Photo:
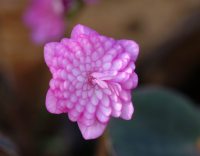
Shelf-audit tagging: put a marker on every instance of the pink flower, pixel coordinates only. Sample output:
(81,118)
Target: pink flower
(92,79)
(45,18)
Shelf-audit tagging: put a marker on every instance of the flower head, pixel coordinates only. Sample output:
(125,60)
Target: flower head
(92,79)
(45,18)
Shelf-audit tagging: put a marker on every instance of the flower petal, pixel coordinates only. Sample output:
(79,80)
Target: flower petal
(132,82)
(49,52)
(131,47)
(51,103)
(81,29)
(127,111)
(93,131)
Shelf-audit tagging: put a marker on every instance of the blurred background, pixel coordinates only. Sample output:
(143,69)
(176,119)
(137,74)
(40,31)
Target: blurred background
(167,118)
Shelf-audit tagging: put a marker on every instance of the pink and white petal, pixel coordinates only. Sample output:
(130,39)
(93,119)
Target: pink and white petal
(81,30)
(125,58)
(52,103)
(125,95)
(127,111)
(106,110)
(131,47)
(93,131)
(49,52)
(87,122)
(102,117)
(105,101)
(116,114)
(116,109)
(73,115)
(129,69)
(131,83)
(121,77)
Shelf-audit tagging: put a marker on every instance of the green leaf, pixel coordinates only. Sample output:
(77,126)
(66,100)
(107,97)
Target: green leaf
(165,123)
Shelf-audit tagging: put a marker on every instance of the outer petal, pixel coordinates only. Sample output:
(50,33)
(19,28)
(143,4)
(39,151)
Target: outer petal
(81,30)
(131,83)
(52,103)
(93,131)
(131,47)
(125,95)
(49,52)
(127,111)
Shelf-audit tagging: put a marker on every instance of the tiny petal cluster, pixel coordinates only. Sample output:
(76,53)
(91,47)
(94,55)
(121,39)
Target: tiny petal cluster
(92,78)
(45,18)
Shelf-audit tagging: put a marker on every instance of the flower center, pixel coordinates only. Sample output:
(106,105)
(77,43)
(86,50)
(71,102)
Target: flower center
(105,80)
(90,79)
(94,79)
